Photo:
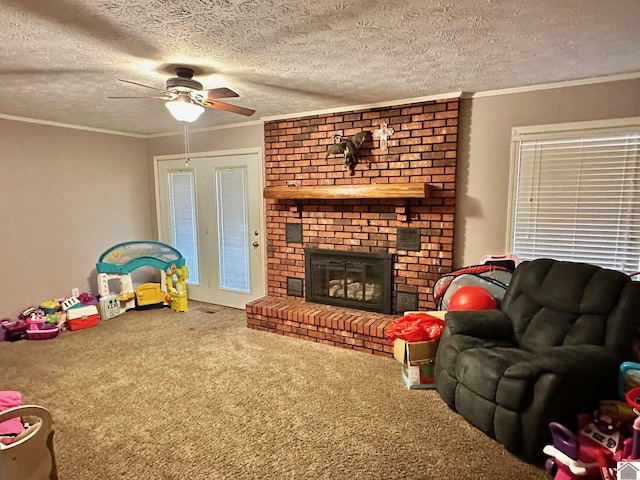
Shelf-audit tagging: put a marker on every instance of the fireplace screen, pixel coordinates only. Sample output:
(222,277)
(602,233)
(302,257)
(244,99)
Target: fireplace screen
(360,280)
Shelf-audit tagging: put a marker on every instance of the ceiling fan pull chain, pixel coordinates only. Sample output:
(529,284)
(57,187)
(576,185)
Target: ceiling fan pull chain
(186,143)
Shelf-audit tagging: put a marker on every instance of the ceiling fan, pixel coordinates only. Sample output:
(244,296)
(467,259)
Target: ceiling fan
(186,99)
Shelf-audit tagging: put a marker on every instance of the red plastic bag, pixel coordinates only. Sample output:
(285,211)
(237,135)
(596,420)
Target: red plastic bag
(415,327)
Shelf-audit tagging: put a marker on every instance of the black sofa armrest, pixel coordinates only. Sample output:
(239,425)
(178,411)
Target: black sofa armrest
(588,361)
(580,374)
(485,324)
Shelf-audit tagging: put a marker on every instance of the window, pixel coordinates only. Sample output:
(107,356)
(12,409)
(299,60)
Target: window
(182,217)
(576,192)
(233,228)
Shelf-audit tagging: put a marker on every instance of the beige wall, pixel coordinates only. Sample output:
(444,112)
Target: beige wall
(484,152)
(65,197)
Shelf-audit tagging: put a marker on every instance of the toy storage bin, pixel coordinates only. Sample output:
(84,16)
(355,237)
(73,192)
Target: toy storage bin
(44,331)
(83,317)
(4,324)
(14,330)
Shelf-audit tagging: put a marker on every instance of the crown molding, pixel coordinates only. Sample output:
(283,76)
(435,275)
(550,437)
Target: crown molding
(390,103)
(67,125)
(549,86)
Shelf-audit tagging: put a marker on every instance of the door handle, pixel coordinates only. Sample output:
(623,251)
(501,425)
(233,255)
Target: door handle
(255,244)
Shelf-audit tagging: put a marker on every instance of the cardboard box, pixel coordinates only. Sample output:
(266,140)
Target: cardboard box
(419,376)
(434,313)
(414,353)
(418,359)
(418,362)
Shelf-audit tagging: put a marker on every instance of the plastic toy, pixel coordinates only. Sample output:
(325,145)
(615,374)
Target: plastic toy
(14,330)
(150,294)
(120,260)
(472,297)
(611,435)
(177,294)
(36,318)
(602,440)
(83,317)
(44,331)
(86,299)
(50,306)
(493,278)
(508,260)
(27,312)
(629,377)
(633,398)
(69,303)
(109,307)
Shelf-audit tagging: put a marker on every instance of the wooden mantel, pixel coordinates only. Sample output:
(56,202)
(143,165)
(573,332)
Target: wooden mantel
(329,192)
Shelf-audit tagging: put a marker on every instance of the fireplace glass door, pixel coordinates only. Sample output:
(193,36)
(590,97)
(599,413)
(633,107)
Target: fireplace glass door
(349,279)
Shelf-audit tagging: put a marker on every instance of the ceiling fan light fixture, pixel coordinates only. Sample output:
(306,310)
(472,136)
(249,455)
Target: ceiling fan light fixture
(183,109)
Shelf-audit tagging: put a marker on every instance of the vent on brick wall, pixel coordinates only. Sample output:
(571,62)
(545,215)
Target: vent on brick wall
(406,302)
(295,287)
(293,232)
(408,239)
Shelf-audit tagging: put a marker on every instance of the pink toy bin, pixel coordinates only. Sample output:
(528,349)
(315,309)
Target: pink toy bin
(42,331)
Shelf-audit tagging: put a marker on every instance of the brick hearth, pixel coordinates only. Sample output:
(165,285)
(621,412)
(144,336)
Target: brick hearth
(340,327)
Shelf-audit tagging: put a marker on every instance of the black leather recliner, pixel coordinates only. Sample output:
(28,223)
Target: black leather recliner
(551,351)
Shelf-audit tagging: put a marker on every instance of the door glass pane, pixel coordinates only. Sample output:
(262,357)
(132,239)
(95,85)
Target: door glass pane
(182,216)
(233,229)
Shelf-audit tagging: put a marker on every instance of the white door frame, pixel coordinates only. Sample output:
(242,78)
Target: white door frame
(162,235)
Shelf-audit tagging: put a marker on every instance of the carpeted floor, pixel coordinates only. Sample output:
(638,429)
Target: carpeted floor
(163,395)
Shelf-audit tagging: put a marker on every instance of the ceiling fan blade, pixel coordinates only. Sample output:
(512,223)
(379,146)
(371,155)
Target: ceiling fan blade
(228,107)
(222,92)
(162,98)
(141,85)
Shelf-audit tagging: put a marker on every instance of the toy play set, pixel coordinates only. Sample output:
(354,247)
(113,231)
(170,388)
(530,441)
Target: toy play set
(75,313)
(119,261)
(606,443)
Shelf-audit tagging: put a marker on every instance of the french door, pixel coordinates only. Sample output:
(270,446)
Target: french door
(211,211)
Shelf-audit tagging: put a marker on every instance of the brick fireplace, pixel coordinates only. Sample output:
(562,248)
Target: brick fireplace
(422,152)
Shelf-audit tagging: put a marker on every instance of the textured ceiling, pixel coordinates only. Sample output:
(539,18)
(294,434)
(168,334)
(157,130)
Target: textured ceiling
(61,58)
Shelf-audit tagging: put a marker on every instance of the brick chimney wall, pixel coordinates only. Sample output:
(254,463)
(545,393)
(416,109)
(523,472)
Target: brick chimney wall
(423,149)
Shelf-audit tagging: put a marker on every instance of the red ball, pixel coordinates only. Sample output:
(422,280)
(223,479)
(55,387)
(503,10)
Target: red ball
(472,297)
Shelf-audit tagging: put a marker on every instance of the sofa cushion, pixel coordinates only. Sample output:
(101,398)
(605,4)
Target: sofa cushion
(555,303)
(482,369)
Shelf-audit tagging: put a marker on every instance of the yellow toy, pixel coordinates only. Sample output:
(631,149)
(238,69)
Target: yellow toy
(177,296)
(150,294)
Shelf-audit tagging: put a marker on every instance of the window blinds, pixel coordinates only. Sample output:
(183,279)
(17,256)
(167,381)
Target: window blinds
(578,198)
(182,216)
(233,229)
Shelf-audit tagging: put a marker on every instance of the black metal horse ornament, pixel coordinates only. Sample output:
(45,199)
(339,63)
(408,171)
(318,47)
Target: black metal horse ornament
(348,147)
